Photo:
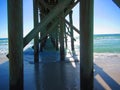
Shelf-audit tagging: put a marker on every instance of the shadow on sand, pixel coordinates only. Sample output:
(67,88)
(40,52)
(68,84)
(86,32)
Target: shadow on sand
(53,75)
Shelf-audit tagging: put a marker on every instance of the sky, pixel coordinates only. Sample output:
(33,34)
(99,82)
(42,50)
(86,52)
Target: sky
(106,17)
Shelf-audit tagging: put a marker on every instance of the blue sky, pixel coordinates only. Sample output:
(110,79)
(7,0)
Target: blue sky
(106,17)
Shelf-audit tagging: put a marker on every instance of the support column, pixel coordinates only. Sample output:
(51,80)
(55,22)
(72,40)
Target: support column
(15,37)
(86,44)
(57,47)
(71,31)
(66,40)
(36,39)
(61,37)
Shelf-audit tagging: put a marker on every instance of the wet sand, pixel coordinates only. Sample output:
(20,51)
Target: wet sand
(3,58)
(64,75)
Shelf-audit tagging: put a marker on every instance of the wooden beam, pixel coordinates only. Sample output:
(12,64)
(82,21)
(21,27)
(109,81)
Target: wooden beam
(117,2)
(66,39)
(36,39)
(70,7)
(70,36)
(86,44)
(42,2)
(73,27)
(50,30)
(57,38)
(71,31)
(15,37)
(61,38)
(47,19)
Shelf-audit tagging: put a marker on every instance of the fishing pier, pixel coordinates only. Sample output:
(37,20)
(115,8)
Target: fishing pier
(50,23)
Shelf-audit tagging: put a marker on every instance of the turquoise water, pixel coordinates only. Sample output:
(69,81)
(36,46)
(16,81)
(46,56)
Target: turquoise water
(107,43)
(3,45)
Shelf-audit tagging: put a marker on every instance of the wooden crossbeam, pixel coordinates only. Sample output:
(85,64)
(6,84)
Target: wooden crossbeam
(74,28)
(44,4)
(117,2)
(39,27)
(47,19)
(50,30)
(70,7)
(65,13)
(70,36)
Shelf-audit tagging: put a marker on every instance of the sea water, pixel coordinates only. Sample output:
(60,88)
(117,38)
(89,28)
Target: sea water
(3,45)
(107,43)
(103,43)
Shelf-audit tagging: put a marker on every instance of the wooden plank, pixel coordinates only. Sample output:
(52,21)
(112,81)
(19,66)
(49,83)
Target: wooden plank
(47,19)
(117,2)
(70,36)
(66,39)
(57,38)
(61,38)
(36,39)
(70,7)
(50,30)
(73,27)
(71,31)
(86,44)
(15,37)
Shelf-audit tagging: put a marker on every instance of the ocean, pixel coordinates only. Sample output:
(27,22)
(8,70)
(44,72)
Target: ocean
(103,43)
(107,43)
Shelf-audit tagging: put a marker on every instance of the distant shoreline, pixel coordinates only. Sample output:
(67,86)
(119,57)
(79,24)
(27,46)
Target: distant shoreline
(93,35)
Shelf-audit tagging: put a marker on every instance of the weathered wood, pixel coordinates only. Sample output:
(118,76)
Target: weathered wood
(36,39)
(47,19)
(117,2)
(70,7)
(73,27)
(44,4)
(86,44)
(15,37)
(57,38)
(66,39)
(61,38)
(70,36)
(50,30)
(71,31)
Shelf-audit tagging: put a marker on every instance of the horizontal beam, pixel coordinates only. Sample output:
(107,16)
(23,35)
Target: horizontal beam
(68,8)
(74,28)
(70,36)
(71,6)
(47,19)
(50,30)
(117,2)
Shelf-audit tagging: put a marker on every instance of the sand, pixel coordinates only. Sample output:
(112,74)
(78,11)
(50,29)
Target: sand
(3,58)
(106,72)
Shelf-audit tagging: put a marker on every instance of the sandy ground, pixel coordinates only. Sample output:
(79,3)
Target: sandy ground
(106,70)
(3,58)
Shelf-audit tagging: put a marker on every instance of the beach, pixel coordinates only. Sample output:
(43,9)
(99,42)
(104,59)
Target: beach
(106,73)
(51,74)
(3,58)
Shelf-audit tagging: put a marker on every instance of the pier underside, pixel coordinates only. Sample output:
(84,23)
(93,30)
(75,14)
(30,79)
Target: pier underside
(51,69)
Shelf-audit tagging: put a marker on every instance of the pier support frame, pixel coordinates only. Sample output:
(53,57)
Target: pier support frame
(36,39)
(71,31)
(57,34)
(86,44)
(15,35)
(66,44)
(61,38)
